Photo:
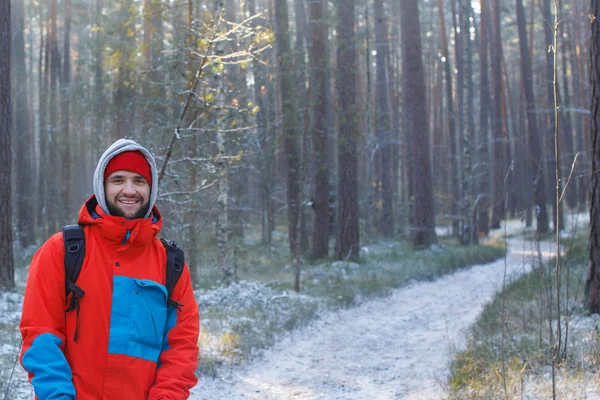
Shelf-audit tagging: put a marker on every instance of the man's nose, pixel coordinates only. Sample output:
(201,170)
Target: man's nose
(128,188)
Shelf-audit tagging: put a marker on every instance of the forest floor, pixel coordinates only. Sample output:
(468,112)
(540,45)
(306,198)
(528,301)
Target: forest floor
(398,347)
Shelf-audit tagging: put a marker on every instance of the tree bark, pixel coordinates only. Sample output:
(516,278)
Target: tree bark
(65,143)
(499,141)
(539,187)
(7,274)
(592,287)
(416,126)
(347,244)
(453,182)
(383,124)
(319,62)
(485,103)
(289,126)
(23,135)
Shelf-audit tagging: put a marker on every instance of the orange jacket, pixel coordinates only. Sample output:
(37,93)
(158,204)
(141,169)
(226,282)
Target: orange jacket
(130,345)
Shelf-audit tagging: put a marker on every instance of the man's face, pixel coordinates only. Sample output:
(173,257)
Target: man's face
(127,194)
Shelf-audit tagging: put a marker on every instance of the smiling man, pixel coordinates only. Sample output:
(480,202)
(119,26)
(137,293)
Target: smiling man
(123,330)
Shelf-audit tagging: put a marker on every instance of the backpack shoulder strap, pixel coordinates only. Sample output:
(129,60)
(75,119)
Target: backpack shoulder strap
(175,262)
(74,240)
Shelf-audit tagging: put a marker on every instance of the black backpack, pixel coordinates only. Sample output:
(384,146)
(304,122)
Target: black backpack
(74,241)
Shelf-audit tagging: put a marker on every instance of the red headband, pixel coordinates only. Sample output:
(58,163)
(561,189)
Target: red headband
(133,161)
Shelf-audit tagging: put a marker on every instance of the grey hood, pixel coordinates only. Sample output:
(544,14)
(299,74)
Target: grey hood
(118,147)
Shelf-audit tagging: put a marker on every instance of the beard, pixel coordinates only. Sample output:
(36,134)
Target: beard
(115,211)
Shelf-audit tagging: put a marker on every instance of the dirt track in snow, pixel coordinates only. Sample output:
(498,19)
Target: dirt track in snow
(399,347)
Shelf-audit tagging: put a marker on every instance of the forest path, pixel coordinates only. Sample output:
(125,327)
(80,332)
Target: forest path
(398,347)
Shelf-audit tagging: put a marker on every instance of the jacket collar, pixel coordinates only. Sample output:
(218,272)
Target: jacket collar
(119,231)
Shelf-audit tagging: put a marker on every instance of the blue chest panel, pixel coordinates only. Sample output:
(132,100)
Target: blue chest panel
(138,318)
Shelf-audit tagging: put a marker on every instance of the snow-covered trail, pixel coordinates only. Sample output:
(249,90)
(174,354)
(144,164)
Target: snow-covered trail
(398,347)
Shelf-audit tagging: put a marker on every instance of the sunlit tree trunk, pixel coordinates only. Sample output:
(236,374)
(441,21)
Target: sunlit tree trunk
(347,244)
(416,126)
(7,275)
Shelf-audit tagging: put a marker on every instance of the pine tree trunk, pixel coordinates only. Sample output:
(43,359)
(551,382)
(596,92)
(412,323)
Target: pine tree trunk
(222,169)
(347,244)
(53,171)
(7,275)
(535,150)
(485,103)
(498,138)
(454,185)
(592,287)
(550,123)
(24,143)
(319,62)
(289,126)
(416,126)
(66,192)
(383,123)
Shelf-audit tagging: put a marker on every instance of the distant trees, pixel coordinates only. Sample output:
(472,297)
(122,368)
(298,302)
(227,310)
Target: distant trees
(7,278)
(320,121)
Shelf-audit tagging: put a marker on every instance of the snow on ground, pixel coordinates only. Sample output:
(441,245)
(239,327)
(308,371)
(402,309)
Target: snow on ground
(398,347)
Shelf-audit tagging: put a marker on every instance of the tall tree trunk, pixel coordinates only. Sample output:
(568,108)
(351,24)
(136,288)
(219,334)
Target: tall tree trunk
(383,123)
(7,274)
(460,115)
(347,244)
(43,71)
(453,173)
(224,254)
(23,134)
(499,141)
(52,171)
(99,102)
(551,124)
(568,138)
(289,126)
(66,192)
(319,62)
(469,234)
(539,187)
(303,122)
(262,92)
(592,287)
(416,126)
(485,101)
